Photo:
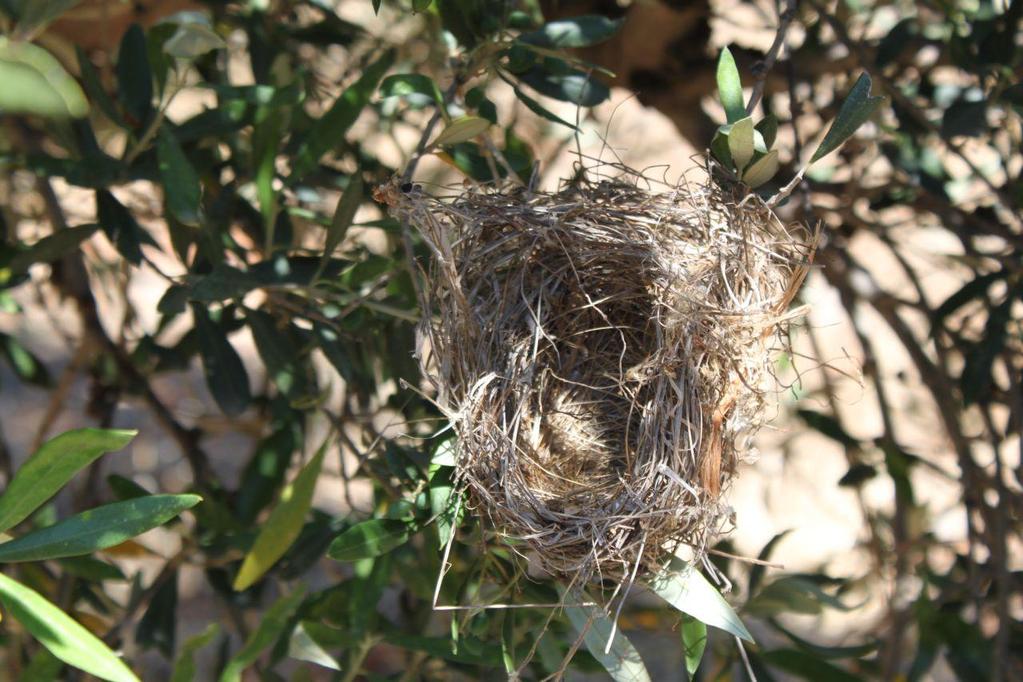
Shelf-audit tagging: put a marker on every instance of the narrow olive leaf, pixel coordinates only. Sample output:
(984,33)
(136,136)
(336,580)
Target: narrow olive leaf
(283,525)
(51,248)
(184,667)
(180,181)
(134,75)
(741,145)
(35,15)
(540,110)
(270,628)
(719,147)
(403,84)
(225,374)
(277,348)
(330,128)
(191,40)
(621,661)
(27,366)
(302,647)
(34,82)
(93,84)
(62,636)
(761,170)
(344,214)
(369,539)
(52,466)
(96,529)
(856,109)
(768,129)
(807,666)
(581,31)
(461,129)
(685,588)
(730,87)
(694,642)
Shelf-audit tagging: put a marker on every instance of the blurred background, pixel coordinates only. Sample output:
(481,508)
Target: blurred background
(220,152)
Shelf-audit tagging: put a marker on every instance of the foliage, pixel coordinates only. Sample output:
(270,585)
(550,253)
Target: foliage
(266,230)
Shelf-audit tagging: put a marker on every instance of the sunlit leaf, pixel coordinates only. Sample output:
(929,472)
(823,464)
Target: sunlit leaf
(856,109)
(685,588)
(55,630)
(580,31)
(761,170)
(461,129)
(283,525)
(303,647)
(34,82)
(52,466)
(622,661)
(369,539)
(694,642)
(730,87)
(740,142)
(96,529)
(192,40)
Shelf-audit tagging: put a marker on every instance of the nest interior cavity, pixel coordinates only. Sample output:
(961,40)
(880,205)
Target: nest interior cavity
(603,353)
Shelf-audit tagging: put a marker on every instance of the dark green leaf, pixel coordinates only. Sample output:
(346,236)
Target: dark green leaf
(768,129)
(96,529)
(807,666)
(579,31)
(330,128)
(184,666)
(91,569)
(134,76)
(98,94)
(279,351)
(51,247)
(121,227)
(444,648)
(403,84)
(26,365)
(477,99)
(856,109)
(180,181)
(855,651)
(792,594)
(125,488)
(369,539)
(344,214)
(225,374)
(965,118)
(828,426)
(730,87)
(540,110)
(757,571)
(34,82)
(51,467)
(857,475)
(558,81)
(159,623)
(265,471)
(65,639)
(271,625)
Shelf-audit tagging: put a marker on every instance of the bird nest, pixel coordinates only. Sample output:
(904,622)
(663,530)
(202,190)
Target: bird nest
(604,355)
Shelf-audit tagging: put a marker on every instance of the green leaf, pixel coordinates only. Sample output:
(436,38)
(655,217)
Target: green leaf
(581,31)
(761,170)
(421,5)
(27,366)
(740,142)
(225,373)
(279,351)
(461,129)
(730,87)
(756,573)
(35,15)
(854,651)
(184,666)
(330,128)
(965,117)
(828,426)
(539,109)
(51,247)
(302,647)
(52,466)
(792,594)
(403,84)
(694,641)
(264,473)
(559,80)
(856,109)
(622,661)
(134,76)
(34,82)
(158,626)
(181,185)
(192,40)
(443,504)
(55,630)
(719,148)
(768,129)
(369,539)
(283,525)
(271,625)
(121,227)
(344,214)
(807,666)
(685,588)
(96,529)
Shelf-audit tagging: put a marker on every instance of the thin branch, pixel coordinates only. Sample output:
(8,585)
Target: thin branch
(764,66)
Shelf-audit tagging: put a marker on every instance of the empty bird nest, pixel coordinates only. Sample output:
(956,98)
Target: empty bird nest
(604,355)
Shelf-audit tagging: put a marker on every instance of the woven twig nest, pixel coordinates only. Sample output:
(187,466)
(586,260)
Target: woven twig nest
(603,354)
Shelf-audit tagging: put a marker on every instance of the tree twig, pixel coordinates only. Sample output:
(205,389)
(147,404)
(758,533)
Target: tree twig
(764,66)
